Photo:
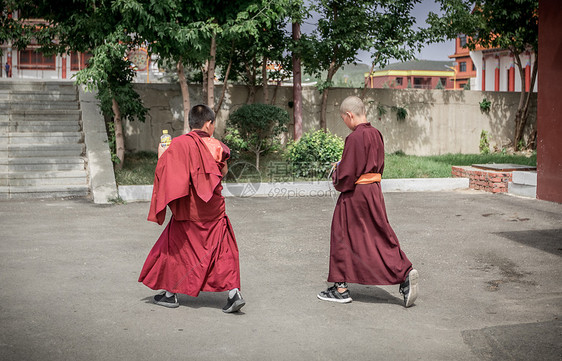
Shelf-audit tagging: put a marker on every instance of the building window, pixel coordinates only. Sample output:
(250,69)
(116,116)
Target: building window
(462,41)
(32,59)
(473,67)
(443,81)
(462,66)
(79,61)
(399,81)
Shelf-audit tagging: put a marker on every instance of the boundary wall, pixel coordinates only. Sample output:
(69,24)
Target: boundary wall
(438,121)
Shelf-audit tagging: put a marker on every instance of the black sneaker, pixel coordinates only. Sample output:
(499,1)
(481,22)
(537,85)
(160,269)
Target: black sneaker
(162,300)
(409,288)
(332,295)
(234,304)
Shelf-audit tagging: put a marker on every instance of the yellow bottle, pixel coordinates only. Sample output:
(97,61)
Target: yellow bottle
(165,139)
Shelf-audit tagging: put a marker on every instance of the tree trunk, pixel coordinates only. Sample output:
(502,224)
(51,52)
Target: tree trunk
(297,86)
(522,114)
(251,73)
(224,86)
(119,140)
(211,74)
(331,71)
(264,80)
(185,96)
(204,71)
(370,72)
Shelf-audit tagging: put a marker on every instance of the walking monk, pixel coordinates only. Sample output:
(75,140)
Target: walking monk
(363,247)
(197,251)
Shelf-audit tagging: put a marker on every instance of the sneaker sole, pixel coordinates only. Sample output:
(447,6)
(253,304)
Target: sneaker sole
(167,304)
(413,294)
(338,300)
(236,306)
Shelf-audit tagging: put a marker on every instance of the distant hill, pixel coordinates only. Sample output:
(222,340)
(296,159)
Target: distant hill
(350,75)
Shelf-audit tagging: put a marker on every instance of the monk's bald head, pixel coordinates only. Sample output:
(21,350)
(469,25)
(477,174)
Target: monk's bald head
(354,105)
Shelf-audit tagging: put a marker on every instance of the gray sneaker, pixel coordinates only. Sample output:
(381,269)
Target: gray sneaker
(162,300)
(332,295)
(409,288)
(234,304)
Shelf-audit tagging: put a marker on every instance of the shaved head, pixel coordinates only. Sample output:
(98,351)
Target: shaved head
(354,105)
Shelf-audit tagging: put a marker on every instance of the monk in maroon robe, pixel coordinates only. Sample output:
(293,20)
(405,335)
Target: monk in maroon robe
(197,251)
(363,247)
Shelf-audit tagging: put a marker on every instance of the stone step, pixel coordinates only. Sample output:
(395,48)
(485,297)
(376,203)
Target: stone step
(38,126)
(38,86)
(43,178)
(523,183)
(6,106)
(44,138)
(42,164)
(42,150)
(52,191)
(33,96)
(43,115)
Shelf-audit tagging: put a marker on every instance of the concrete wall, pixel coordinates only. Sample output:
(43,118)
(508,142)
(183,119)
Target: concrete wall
(438,121)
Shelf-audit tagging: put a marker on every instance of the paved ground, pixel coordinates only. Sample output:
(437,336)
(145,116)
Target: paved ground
(489,265)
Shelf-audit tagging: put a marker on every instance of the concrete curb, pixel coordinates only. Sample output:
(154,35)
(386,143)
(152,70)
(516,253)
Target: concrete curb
(100,167)
(143,193)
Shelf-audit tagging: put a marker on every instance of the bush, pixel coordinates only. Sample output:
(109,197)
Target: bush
(313,154)
(258,126)
(234,141)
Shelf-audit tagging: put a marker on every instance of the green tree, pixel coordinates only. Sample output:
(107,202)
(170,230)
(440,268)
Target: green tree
(259,125)
(504,24)
(382,27)
(100,28)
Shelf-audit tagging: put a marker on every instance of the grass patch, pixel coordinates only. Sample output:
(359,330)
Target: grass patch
(139,167)
(439,166)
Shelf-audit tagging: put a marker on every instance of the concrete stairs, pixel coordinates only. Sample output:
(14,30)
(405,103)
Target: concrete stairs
(524,183)
(41,141)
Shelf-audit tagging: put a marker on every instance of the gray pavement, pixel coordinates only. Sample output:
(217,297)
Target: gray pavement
(490,284)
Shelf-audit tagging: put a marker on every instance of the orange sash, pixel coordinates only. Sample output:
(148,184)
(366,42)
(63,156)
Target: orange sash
(369,178)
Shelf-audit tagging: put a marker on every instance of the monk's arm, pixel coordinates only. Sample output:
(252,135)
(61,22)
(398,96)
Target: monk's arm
(224,169)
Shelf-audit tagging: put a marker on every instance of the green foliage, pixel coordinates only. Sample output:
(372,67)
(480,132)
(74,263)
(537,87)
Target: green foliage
(110,74)
(401,112)
(504,24)
(484,146)
(259,126)
(234,141)
(381,110)
(314,152)
(485,105)
(439,85)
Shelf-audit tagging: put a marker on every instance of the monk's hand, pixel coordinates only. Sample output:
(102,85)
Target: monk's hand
(161,149)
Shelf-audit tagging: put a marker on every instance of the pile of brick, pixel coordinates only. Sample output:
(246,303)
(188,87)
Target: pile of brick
(480,179)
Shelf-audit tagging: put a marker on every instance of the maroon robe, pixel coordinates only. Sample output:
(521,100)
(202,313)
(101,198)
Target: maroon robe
(363,247)
(197,251)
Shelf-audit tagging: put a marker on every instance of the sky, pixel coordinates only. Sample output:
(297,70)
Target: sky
(437,51)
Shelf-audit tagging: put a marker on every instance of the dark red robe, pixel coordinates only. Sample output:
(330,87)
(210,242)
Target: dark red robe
(363,247)
(197,251)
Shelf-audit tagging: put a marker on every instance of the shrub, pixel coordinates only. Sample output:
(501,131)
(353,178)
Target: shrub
(258,126)
(234,141)
(484,143)
(312,155)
